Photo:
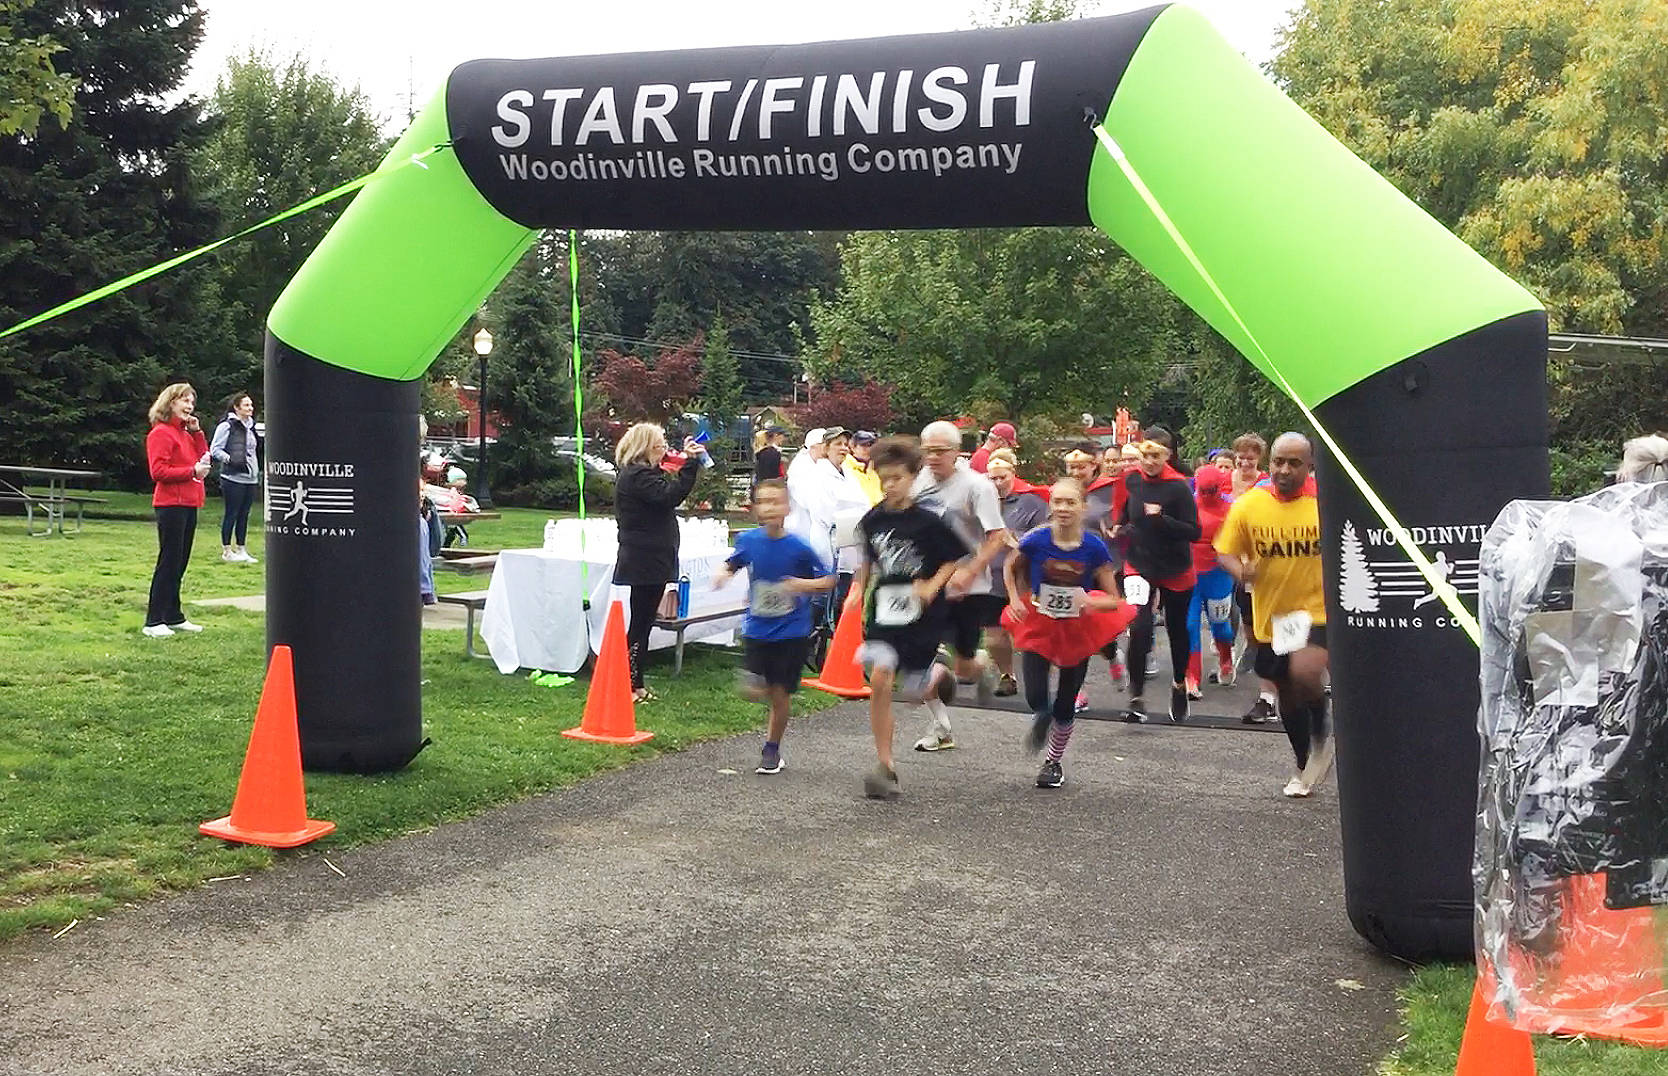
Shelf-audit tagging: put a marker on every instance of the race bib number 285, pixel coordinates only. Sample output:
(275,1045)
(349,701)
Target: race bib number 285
(1061,603)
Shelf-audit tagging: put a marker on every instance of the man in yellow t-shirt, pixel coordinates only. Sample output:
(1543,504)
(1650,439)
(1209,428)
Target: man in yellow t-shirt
(1272,538)
(858,467)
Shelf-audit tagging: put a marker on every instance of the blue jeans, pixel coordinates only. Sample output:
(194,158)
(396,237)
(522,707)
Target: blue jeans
(240,497)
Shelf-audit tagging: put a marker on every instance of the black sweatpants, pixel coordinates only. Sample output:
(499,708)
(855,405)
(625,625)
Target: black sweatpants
(240,497)
(1175,629)
(1035,668)
(175,528)
(645,606)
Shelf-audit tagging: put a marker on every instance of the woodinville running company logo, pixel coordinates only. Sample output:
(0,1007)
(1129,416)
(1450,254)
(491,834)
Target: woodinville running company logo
(573,134)
(309,499)
(1378,587)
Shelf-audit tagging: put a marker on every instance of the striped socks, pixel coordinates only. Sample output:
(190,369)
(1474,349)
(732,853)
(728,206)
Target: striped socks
(1058,737)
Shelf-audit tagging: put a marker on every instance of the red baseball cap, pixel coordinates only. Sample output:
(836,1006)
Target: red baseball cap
(1006,431)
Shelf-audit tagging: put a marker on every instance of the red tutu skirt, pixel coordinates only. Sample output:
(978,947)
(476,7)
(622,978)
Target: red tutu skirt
(1067,641)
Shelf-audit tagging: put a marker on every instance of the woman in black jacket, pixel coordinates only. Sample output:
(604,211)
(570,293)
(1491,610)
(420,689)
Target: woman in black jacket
(646,499)
(1161,521)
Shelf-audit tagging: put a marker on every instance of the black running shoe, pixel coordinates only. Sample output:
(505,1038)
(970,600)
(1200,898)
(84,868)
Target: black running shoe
(1037,736)
(1178,705)
(1051,775)
(1137,712)
(1261,713)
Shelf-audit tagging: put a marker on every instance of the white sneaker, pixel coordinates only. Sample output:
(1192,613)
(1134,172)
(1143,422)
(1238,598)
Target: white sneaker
(1320,762)
(156,631)
(230,556)
(934,741)
(1295,788)
(243,555)
(185,625)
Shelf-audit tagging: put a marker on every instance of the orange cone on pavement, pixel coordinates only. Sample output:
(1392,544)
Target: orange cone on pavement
(1490,1048)
(610,715)
(271,804)
(841,674)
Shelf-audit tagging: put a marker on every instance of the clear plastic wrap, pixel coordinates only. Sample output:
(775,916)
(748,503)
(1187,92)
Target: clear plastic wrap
(1571,865)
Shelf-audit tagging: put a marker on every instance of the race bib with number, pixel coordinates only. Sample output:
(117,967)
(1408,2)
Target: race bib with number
(897,605)
(1136,590)
(772,600)
(1061,603)
(1291,631)
(1219,610)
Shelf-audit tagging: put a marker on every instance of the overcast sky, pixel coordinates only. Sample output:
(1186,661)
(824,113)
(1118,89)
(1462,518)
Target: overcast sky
(394,47)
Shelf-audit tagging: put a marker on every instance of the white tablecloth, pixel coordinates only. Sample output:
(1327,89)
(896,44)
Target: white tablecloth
(534,616)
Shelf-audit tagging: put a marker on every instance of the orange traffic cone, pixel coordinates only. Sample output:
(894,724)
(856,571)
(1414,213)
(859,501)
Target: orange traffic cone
(1609,968)
(1490,1048)
(841,674)
(270,807)
(610,715)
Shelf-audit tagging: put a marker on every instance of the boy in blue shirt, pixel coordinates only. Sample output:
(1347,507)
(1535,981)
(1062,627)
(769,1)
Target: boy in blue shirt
(783,571)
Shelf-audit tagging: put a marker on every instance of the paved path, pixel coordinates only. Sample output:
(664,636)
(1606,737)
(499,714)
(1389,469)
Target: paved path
(1165,913)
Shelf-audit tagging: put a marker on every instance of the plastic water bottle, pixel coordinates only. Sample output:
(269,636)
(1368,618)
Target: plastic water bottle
(549,534)
(683,596)
(706,457)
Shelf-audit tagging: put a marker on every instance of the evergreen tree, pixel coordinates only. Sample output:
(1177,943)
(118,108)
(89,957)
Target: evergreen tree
(1357,590)
(721,395)
(530,386)
(108,194)
(282,132)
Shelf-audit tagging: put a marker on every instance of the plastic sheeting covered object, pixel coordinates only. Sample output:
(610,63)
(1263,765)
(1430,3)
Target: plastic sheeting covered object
(1571,866)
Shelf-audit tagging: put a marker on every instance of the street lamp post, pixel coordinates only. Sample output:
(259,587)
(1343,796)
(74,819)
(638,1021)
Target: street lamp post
(483,348)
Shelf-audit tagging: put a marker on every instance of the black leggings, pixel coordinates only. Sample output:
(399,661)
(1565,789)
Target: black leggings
(240,497)
(1175,628)
(645,606)
(1306,724)
(175,528)
(1035,669)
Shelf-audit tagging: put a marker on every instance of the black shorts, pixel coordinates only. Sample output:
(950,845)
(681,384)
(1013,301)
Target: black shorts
(779,663)
(969,617)
(1277,667)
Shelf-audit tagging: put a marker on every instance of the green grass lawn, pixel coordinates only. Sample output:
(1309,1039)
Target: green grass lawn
(1436,1000)
(113,746)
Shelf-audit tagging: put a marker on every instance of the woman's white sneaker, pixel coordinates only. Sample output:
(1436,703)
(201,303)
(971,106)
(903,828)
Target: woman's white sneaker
(156,631)
(1296,789)
(185,625)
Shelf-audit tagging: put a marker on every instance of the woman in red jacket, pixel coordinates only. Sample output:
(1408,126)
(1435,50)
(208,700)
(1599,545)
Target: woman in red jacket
(178,454)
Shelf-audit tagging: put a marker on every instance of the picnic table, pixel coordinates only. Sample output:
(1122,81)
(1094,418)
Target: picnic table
(55,503)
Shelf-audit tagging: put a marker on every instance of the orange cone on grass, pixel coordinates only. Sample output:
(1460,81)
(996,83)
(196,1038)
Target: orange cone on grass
(841,674)
(1490,1048)
(1609,961)
(271,804)
(610,715)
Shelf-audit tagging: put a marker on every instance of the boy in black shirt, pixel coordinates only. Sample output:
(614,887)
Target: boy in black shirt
(908,556)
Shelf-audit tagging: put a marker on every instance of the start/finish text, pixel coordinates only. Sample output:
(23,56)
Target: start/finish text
(942,100)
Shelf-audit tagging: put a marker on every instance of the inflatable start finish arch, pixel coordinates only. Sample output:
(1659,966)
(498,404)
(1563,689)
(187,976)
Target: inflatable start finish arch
(1425,362)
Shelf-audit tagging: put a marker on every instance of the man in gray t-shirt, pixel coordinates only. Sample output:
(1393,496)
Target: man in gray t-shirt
(966,500)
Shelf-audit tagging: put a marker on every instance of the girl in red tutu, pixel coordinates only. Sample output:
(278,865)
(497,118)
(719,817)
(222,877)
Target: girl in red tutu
(1057,621)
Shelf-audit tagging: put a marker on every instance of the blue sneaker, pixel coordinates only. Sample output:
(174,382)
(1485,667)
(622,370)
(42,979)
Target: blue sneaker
(769,761)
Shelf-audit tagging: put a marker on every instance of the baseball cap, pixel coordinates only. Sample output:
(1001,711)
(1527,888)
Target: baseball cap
(815,437)
(1006,431)
(832,432)
(865,437)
